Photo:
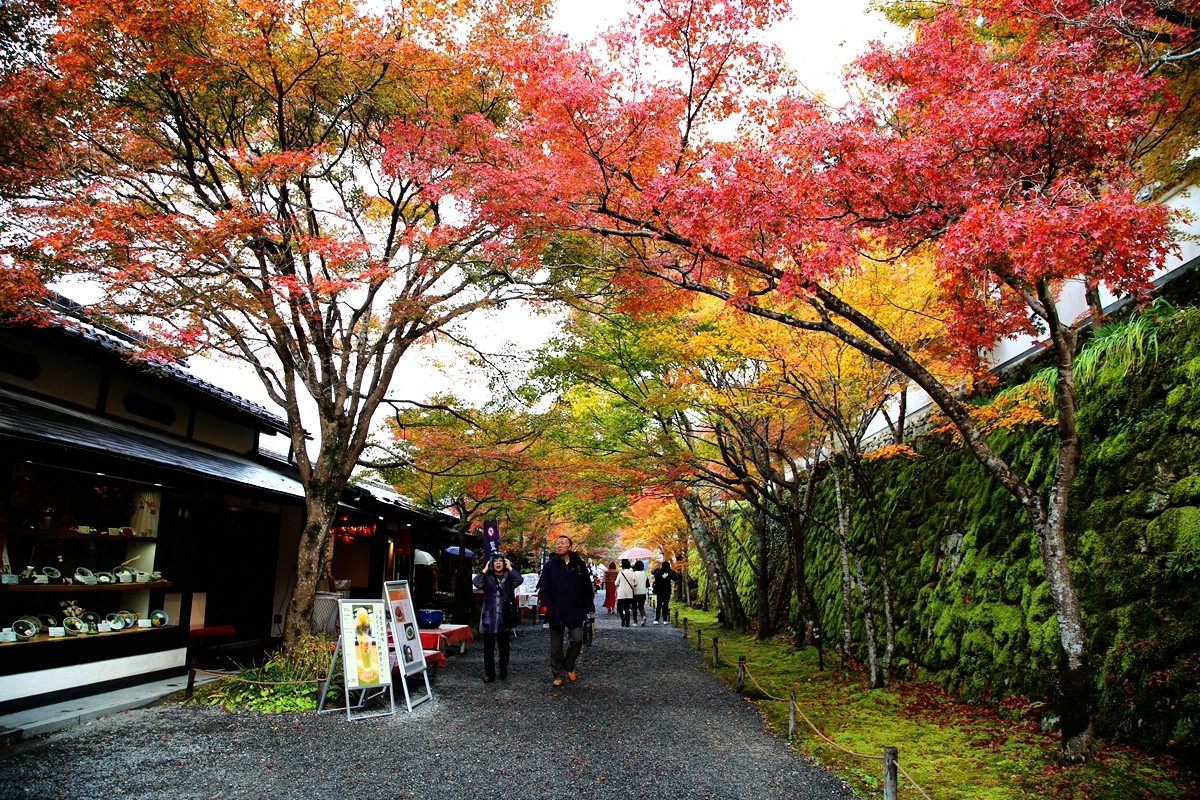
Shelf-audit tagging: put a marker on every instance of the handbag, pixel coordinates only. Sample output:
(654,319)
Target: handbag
(510,612)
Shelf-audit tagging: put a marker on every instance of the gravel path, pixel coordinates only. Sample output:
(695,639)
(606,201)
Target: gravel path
(645,720)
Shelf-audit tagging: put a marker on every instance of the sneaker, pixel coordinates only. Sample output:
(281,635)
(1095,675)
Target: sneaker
(489,679)
(655,622)
(571,674)
(558,681)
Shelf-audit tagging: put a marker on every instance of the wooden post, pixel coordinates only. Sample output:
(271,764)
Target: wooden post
(685,627)
(791,713)
(716,657)
(889,773)
(741,673)
(699,640)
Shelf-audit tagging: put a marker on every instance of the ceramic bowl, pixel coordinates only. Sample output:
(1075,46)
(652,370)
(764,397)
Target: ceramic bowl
(105,577)
(116,621)
(34,621)
(129,617)
(52,573)
(24,629)
(429,617)
(90,617)
(84,575)
(123,574)
(158,619)
(47,621)
(74,625)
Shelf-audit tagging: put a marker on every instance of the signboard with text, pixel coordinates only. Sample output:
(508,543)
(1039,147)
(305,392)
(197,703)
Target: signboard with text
(364,644)
(405,636)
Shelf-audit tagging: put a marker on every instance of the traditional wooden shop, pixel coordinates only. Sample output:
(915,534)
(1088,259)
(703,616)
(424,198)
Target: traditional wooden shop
(138,508)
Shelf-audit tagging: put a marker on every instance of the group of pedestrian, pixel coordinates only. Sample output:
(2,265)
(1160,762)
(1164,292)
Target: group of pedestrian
(627,588)
(567,593)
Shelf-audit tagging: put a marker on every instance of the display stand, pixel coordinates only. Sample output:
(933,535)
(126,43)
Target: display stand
(410,655)
(365,667)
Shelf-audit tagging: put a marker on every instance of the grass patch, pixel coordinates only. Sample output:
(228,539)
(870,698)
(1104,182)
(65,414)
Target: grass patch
(950,748)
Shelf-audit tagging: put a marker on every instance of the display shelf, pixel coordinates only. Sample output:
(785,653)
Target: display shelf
(34,533)
(44,639)
(84,587)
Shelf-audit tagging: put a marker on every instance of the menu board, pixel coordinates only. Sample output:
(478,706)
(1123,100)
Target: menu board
(406,637)
(364,643)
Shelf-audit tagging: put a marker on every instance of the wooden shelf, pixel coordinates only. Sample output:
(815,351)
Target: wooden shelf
(60,534)
(67,588)
(44,639)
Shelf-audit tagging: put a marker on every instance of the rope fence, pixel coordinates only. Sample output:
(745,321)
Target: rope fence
(889,758)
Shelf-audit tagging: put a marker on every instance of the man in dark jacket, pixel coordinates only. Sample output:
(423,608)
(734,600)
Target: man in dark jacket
(566,591)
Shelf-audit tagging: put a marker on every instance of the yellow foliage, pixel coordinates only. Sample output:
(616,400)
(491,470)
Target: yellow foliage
(889,451)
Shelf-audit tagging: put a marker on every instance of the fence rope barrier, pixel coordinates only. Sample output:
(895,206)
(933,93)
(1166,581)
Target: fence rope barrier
(815,730)
(237,677)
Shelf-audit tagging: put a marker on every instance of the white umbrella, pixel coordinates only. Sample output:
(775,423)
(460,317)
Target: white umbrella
(421,558)
(637,552)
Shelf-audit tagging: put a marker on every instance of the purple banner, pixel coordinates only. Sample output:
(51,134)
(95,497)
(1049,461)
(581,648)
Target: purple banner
(491,536)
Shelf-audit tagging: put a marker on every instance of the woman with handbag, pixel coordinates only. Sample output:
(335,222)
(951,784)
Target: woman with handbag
(498,581)
(625,583)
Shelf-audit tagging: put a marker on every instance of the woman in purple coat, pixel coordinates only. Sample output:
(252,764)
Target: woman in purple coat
(498,580)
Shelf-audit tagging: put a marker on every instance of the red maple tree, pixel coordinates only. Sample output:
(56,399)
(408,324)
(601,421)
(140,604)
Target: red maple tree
(1004,138)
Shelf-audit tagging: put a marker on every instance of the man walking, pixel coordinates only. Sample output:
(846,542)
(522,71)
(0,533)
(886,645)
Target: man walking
(566,591)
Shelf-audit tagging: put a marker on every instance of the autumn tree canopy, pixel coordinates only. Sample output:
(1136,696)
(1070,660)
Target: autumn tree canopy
(1003,137)
(273,181)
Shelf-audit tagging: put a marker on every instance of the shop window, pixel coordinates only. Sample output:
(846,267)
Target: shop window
(22,365)
(144,407)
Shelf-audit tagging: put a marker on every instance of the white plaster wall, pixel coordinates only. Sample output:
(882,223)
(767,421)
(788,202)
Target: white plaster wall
(28,684)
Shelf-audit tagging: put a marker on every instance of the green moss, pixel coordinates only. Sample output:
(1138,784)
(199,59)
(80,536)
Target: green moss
(1185,491)
(1175,529)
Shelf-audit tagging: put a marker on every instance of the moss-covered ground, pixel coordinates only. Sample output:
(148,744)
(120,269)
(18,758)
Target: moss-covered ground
(951,749)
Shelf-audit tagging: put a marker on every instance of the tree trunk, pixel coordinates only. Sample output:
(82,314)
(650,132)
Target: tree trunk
(864,591)
(714,566)
(810,619)
(847,630)
(782,598)
(765,630)
(309,558)
(843,538)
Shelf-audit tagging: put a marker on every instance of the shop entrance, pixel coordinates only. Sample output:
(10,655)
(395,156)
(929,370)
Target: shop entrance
(237,571)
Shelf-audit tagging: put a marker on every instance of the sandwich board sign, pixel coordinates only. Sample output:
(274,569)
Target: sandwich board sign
(406,638)
(362,644)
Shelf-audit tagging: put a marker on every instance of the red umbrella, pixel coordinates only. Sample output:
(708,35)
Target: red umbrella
(636,552)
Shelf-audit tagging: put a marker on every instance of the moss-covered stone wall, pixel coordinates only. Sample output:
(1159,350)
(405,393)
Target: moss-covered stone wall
(971,602)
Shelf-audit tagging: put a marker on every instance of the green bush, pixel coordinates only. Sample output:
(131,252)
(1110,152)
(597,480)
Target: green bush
(285,682)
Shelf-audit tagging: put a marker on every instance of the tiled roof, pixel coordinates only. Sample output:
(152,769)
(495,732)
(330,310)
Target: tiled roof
(125,343)
(37,420)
